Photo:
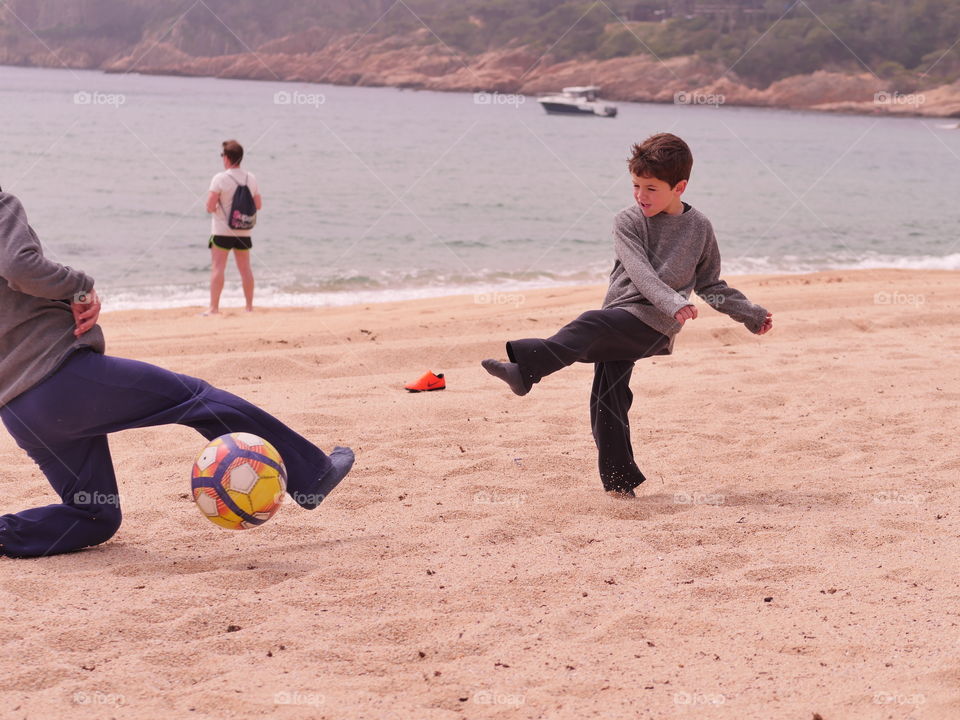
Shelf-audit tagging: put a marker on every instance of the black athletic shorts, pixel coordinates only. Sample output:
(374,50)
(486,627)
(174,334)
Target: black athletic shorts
(228,242)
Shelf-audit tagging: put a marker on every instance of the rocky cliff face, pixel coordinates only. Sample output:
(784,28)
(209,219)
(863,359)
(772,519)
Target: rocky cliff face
(418,60)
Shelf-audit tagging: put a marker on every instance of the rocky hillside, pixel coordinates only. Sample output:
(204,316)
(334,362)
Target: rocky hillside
(322,44)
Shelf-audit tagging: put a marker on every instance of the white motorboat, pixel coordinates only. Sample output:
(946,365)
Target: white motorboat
(577,101)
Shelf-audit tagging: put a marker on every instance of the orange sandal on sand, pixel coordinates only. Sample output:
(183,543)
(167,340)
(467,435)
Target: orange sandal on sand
(428,382)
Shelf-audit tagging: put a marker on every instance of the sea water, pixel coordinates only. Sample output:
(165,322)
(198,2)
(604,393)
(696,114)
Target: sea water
(374,194)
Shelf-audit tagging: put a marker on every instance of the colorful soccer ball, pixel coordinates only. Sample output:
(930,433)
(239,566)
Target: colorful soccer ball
(239,481)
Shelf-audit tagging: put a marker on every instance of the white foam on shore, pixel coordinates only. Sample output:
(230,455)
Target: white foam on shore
(502,292)
(792,265)
(182,296)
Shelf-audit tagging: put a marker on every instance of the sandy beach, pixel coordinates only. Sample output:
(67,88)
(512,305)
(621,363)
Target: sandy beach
(793,552)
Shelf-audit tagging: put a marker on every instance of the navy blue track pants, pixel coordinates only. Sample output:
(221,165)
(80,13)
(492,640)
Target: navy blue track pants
(63,424)
(613,340)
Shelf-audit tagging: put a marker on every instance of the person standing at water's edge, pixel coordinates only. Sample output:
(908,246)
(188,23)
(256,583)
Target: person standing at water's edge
(224,238)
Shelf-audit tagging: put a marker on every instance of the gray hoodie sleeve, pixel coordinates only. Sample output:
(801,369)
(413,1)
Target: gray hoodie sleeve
(631,251)
(22,263)
(720,296)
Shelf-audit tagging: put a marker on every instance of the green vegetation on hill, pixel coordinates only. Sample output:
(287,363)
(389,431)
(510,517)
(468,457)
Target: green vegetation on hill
(908,42)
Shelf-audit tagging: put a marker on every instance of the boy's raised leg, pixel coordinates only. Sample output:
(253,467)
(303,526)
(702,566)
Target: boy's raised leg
(532,359)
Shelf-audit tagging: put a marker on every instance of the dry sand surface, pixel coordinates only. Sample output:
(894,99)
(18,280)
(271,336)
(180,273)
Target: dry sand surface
(794,551)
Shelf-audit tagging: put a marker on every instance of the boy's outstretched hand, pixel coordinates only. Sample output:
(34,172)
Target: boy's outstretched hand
(86,311)
(687,312)
(767,325)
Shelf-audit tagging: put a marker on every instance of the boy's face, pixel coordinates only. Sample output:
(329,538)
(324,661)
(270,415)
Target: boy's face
(656,196)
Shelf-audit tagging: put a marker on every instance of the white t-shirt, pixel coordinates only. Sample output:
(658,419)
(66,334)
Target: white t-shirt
(226,183)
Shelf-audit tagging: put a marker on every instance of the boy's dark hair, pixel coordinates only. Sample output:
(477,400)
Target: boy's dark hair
(663,156)
(233,151)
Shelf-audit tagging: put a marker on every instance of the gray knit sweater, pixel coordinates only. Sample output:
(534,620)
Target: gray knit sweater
(36,323)
(660,260)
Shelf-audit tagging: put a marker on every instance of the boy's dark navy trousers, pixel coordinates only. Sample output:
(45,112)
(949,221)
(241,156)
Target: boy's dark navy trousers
(613,339)
(63,425)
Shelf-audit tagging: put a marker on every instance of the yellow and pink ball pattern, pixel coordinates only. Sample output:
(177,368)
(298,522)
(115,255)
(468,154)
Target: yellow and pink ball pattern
(239,481)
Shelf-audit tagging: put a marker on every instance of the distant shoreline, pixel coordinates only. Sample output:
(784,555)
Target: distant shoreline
(636,79)
(839,108)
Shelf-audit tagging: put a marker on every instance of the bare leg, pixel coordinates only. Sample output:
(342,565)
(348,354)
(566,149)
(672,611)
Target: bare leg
(218,265)
(242,258)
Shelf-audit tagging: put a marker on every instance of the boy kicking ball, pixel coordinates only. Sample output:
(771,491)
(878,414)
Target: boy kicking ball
(664,250)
